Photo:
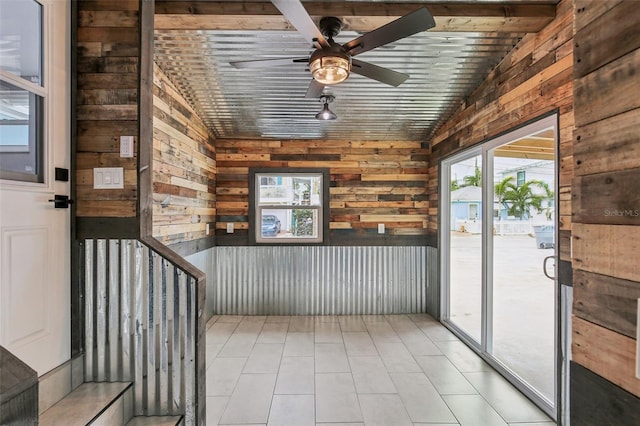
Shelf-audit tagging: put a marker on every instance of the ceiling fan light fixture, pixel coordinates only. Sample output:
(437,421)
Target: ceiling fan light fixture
(326,113)
(329,66)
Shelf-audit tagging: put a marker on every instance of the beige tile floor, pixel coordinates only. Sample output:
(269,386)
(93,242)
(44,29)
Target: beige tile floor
(388,370)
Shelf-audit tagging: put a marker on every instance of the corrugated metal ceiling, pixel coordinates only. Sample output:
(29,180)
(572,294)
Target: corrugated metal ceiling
(250,103)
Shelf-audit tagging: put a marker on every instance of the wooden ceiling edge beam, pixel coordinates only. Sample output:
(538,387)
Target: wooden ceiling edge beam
(358,16)
(526,150)
(527,155)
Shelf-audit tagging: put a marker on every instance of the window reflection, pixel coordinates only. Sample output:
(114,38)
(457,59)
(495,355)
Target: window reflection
(21,39)
(20,134)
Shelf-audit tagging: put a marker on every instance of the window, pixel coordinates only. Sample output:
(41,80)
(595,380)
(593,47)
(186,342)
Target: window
(22,91)
(520,178)
(289,206)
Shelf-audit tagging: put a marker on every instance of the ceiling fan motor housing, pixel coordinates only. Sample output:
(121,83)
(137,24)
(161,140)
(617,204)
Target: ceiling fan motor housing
(332,64)
(330,26)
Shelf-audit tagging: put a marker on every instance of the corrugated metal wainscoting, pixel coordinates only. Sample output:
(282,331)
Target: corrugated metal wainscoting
(141,326)
(320,280)
(433,282)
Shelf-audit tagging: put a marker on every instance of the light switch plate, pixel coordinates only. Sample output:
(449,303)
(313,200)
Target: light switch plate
(230,228)
(126,146)
(381,228)
(108,178)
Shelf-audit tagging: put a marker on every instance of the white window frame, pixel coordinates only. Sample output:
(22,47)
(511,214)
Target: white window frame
(42,90)
(319,208)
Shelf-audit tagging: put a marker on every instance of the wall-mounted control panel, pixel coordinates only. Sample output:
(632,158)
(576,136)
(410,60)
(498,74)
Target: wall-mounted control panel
(108,178)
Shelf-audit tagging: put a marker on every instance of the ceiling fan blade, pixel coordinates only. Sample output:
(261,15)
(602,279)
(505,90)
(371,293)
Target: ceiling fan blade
(412,23)
(261,63)
(297,16)
(383,75)
(315,89)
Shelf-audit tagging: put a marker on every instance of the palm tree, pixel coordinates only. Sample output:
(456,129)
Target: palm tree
(521,199)
(500,190)
(475,179)
(549,196)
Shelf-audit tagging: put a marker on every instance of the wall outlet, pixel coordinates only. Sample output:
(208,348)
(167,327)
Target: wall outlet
(126,146)
(381,228)
(230,228)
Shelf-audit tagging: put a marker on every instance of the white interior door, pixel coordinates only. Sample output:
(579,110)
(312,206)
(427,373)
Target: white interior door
(35,236)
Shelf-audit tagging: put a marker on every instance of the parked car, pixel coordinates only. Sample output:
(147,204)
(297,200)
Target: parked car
(270,225)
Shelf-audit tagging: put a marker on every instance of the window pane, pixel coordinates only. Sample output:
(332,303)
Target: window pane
(21,39)
(294,223)
(292,190)
(20,134)
(271,223)
(465,251)
(305,223)
(523,298)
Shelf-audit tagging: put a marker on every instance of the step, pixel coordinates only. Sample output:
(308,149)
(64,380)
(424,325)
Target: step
(155,421)
(18,390)
(92,403)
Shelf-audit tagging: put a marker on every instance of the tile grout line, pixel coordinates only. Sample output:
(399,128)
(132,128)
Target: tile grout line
(396,324)
(275,383)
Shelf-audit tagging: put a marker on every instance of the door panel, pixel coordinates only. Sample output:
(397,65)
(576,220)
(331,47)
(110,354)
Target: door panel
(24,284)
(523,310)
(34,302)
(465,261)
(35,236)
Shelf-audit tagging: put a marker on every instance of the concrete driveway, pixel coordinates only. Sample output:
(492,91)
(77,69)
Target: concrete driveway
(523,303)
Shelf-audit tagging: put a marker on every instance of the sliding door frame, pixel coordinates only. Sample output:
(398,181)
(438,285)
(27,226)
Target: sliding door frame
(484,348)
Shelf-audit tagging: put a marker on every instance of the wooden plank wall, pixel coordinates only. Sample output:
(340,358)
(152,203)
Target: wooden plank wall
(536,77)
(606,202)
(106,104)
(371,182)
(184,168)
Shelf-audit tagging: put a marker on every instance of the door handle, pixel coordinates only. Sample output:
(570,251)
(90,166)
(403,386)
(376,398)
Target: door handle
(61,201)
(544,266)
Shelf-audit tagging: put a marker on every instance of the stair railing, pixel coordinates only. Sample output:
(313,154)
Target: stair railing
(144,323)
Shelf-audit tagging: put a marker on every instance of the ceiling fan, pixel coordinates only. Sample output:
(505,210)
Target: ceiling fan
(331,63)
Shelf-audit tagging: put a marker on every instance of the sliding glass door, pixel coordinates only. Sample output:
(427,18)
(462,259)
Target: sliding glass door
(465,260)
(498,227)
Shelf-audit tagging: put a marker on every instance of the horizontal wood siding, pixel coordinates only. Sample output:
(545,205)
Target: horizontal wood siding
(536,77)
(106,99)
(184,168)
(607,301)
(372,182)
(606,353)
(606,204)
